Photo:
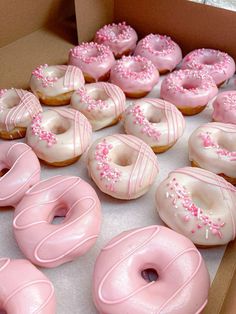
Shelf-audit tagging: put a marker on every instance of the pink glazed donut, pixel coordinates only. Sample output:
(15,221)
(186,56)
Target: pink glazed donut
(120,38)
(150,270)
(23,172)
(164,53)
(49,245)
(25,289)
(224,107)
(94,60)
(136,76)
(219,65)
(189,90)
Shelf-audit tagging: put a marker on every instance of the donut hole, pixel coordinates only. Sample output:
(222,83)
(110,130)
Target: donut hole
(227,143)
(134,67)
(2,173)
(54,72)
(201,201)
(123,160)
(2,311)
(191,84)
(58,215)
(59,126)
(11,101)
(149,274)
(159,45)
(98,94)
(210,60)
(154,118)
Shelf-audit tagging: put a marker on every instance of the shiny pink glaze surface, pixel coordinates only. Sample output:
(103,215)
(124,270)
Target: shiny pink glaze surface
(225,107)
(219,65)
(47,244)
(24,289)
(24,171)
(188,88)
(182,284)
(164,53)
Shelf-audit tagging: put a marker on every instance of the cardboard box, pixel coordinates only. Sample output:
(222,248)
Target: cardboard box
(29,36)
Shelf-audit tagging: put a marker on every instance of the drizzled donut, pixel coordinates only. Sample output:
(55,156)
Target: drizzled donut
(122,166)
(101,103)
(122,284)
(198,204)
(219,65)
(49,245)
(54,84)
(120,38)
(164,53)
(224,107)
(94,60)
(213,147)
(155,121)
(59,136)
(17,108)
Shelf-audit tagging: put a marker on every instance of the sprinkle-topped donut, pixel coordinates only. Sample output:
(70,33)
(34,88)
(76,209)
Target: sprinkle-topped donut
(101,103)
(94,60)
(213,147)
(188,90)
(164,53)
(122,166)
(225,107)
(199,204)
(218,64)
(157,122)
(120,38)
(54,84)
(17,108)
(136,76)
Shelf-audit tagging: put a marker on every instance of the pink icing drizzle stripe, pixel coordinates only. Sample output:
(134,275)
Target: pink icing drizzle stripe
(229,128)
(7,262)
(116,95)
(70,76)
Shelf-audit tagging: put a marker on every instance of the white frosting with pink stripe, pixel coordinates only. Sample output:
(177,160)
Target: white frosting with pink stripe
(58,135)
(225,107)
(155,121)
(55,80)
(101,103)
(122,166)
(199,204)
(25,289)
(17,108)
(213,147)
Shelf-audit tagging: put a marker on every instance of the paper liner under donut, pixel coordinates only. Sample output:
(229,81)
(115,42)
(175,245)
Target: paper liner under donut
(18,132)
(60,100)
(189,111)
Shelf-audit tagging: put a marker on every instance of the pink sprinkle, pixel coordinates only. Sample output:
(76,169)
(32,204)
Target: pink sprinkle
(114,32)
(167,45)
(92,103)
(45,79)
(2,91)
(43,135)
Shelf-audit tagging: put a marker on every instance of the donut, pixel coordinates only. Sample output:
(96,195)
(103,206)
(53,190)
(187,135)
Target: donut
(219,65)
(136,76)
(59,136)
(164,53)
(213,147)
(101,103)
(49,245)
(54,84)
(17,108)
(94,60)
(120,38)
(150,270)
(188,90)
(19,170)
(198,204)
(122,166)
(155,121)
(224,107)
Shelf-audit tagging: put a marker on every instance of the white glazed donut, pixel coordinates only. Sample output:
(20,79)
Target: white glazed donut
(23,172)
(101,103)
(198,204)
(155,121)
(59,136)
(122,166)
(213,147)
(17,108)
(54,84)
(49,245)
(178,282)
(24,289)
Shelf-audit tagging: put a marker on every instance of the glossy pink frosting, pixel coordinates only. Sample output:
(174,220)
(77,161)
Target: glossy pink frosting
(164,53)
(49,245)
(17,108)
(25,289)
(219,65)
(182,284)
(188,88)
(120,38)
(224,107)
(93,59)
(134,74)
(24,171)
